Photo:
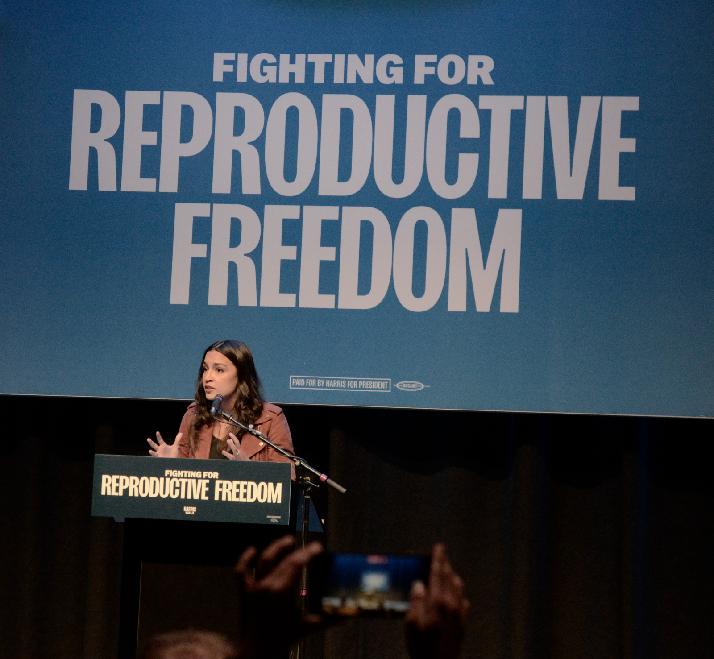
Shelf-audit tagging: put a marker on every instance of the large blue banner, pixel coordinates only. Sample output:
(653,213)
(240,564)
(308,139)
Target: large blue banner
(468,205)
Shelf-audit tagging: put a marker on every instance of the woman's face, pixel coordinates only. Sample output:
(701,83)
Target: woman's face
(220,376)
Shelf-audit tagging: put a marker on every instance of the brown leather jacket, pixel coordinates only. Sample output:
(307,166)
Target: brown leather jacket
(271,423)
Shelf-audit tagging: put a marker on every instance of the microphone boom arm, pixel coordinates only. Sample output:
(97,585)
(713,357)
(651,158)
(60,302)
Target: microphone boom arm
(299,463)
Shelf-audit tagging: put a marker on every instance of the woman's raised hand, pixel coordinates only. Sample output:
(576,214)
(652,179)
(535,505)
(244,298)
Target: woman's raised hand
(236,451)
(160,449)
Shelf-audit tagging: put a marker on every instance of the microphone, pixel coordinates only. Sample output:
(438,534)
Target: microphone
(216,404)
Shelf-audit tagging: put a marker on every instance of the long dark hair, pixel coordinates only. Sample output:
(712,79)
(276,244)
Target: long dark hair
(249,403)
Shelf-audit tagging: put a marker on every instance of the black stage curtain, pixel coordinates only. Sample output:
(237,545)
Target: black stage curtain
(577,536)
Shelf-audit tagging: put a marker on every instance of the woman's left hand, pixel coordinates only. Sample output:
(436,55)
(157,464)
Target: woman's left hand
(236,452)
(161,449)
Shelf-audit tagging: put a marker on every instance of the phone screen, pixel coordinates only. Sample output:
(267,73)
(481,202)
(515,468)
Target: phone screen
(364,584)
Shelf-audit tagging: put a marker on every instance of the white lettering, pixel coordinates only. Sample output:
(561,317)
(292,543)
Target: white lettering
(338,74)
(355,67)
(275,144)
(297,68)
(171,146)
(480,66)
(350,242)
(144,488)
(533,148)
(275,492)
(222,254)
(332,105)
(261,72)
(319,61)
(262,492)
(612,145)
(312,253)
(83,139)
(505,245)
(384,146)
(225,142)
(134,138)
(219,65)
(274,253)
(106,485)
(390,75)
(404,259)
(421,68)
(442,69)
(123,484)
(242,67)
(185,249)
(572,185)
(436,146)
(500,107)
(252,493)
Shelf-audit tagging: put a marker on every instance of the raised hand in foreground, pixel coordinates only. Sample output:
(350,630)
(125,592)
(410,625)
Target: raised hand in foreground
(437,616)
(270,620)
(271,623)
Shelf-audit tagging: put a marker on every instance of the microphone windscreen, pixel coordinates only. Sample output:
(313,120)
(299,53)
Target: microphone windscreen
(216,404)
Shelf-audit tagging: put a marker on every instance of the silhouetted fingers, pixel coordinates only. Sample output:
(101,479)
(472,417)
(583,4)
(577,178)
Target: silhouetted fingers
(439,569)
(273,553)
(417,603)
(286,572)
(244,566)
(459,587)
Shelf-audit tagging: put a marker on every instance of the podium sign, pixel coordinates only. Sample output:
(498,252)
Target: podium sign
(201,490)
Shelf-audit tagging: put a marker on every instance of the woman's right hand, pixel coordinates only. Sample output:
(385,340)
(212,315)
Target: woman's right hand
(160,449)
(235,447)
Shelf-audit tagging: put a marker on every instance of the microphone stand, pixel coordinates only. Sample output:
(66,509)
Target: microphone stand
(303,471)
(221,415)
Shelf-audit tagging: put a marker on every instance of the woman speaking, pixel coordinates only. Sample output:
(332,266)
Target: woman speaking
(227,369)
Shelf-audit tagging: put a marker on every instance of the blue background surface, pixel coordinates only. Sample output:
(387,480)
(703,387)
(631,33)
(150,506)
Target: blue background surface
(615,297)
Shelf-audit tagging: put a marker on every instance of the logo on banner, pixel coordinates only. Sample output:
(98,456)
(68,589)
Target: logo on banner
(410,385)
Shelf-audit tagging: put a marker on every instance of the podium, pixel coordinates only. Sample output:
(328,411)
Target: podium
(180,512)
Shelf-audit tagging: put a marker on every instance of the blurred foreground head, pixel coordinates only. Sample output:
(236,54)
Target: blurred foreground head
(188,644)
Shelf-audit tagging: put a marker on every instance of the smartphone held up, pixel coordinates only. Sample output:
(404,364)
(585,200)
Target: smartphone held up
(352,585)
